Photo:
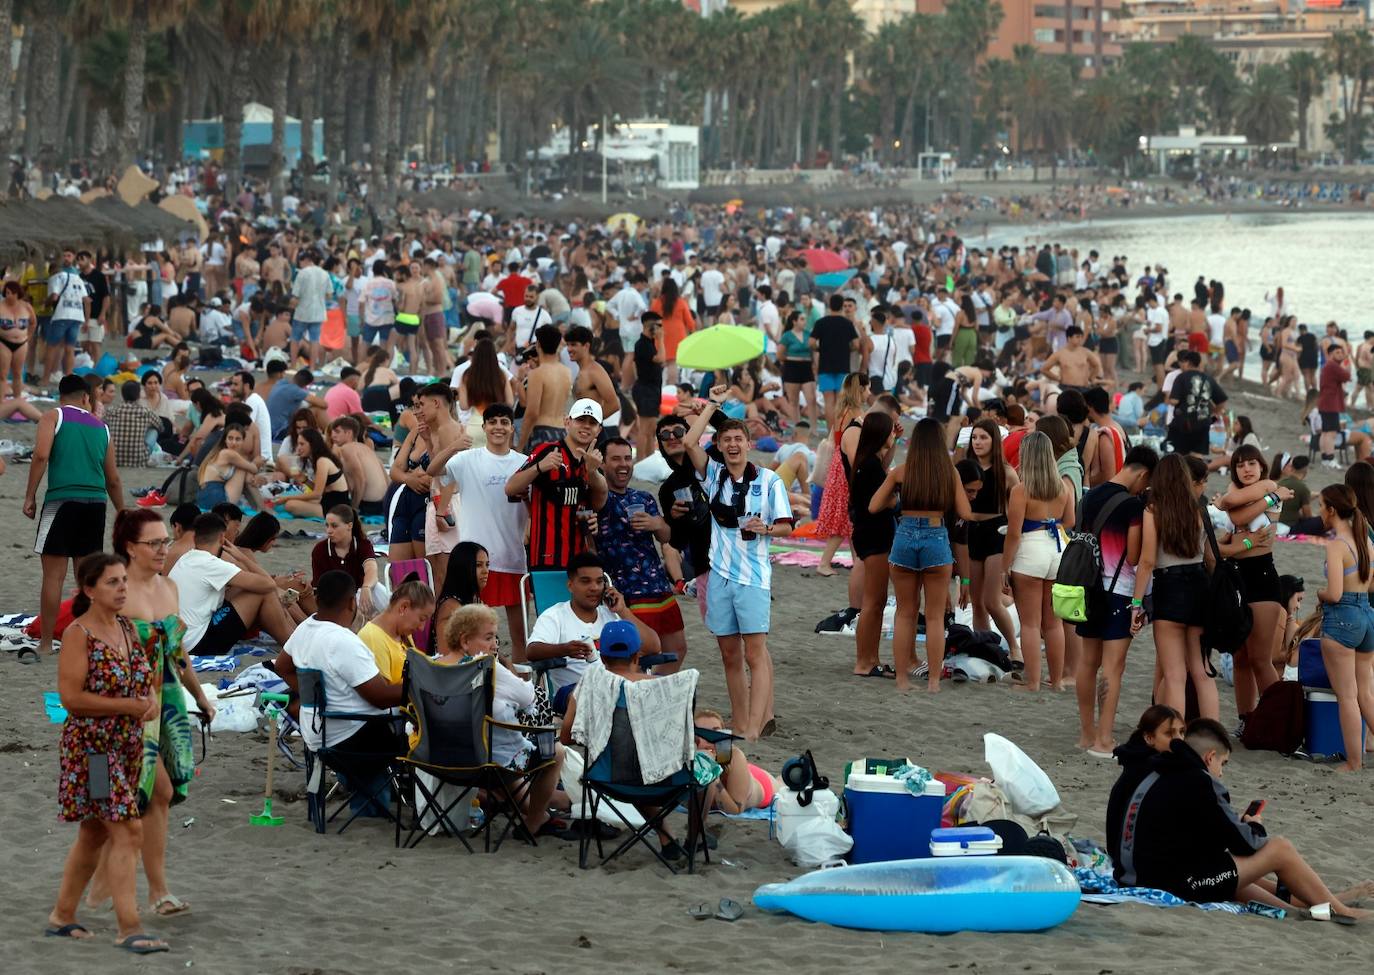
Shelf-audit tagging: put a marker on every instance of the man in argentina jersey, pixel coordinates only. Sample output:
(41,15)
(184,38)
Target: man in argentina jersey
(749,507)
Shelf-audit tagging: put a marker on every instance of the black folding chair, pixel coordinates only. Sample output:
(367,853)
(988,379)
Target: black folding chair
(450,705)
(368,773)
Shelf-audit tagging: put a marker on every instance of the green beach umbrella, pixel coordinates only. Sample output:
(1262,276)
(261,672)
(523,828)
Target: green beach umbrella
(720,347)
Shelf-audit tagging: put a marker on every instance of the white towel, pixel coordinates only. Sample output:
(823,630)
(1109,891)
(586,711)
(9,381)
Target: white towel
(660,713)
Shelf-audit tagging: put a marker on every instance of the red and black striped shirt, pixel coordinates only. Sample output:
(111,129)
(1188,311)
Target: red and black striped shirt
(555,496)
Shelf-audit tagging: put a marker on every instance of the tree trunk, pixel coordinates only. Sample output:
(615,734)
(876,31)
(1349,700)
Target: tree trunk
(1302,124)
(70,84)
(81,131)
(305,77)
(103,136)
(42,112)
(135,72)
(8,111)
(836,110)
(336,111)
(381,108)
(395,155)
(278,90)
(232,115)
(180,109)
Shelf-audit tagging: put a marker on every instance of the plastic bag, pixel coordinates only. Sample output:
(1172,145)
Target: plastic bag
(809,833)
(1027,787)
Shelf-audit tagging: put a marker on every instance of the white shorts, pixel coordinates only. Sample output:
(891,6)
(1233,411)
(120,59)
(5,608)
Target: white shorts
(1038,554)
(439,537)
(92,331)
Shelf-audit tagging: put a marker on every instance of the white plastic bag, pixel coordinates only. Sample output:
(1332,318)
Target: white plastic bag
(237,712)
(809,833)
(1027,787)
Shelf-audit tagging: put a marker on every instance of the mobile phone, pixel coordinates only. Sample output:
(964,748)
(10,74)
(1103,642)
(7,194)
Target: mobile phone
(1255,808)
(98,776)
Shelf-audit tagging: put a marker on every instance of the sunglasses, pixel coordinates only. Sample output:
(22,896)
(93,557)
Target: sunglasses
(672,433)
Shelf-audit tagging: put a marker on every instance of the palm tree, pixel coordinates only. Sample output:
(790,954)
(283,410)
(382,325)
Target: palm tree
(6,105)
(1042,105)
(1102,124)
(1306,73)
(1264,110)
(1350,54)
(971,25)
(595,77)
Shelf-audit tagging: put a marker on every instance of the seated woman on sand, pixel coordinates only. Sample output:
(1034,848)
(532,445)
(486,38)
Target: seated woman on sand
(742,785)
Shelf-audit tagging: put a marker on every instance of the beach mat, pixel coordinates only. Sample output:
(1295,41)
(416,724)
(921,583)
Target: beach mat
(1098,889)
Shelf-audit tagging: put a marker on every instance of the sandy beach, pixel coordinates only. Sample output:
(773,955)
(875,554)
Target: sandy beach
(289,901)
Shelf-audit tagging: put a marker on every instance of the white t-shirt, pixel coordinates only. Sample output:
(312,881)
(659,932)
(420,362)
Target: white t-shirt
(890,348)
(626,306)
(311,289)
(1216,328)
(944,318)
(215,326)
(559,624)
(712,287)
(526,321)
(70,291)
(769,320)
(485,515)
(201,579)
(263,421)
(345,662)
(1155,317)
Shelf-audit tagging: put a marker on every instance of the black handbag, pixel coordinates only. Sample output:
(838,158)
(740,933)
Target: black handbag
(1229,619)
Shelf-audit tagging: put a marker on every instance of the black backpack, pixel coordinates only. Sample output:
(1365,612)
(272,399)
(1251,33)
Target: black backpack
(1278,723)
(1229,619)
(1078,595)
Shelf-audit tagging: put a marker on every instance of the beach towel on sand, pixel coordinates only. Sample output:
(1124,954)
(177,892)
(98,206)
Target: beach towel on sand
(1098,889)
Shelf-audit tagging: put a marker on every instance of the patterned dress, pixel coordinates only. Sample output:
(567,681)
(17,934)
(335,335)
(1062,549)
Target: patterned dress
(169,737)
(833,518)
(119,736)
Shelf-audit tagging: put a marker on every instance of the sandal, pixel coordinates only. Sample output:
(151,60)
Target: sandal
(879,671)
(142,944)
(66,931)
(170,905)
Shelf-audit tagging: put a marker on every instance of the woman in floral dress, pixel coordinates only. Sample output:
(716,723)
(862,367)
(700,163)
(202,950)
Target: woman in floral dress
(105,681)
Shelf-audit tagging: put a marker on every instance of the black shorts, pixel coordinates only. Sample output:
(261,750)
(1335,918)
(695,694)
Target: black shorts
(540,435)
(984,540)
(924,371)
(406,516)
(1190,436)
(1180,594)
(1260,577)
(1113,624)
(1159,353)
(942,341)
(1109,346)
(647,400)
(610,342)
(373,509)
(1266,352)
(872,535)
(1331,422)
(1213,880)
(225,630)
(71,529)
(797,371)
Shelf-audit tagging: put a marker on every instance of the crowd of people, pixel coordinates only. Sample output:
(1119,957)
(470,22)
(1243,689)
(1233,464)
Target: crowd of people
(504,385)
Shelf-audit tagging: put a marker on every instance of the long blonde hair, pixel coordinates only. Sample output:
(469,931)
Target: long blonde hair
(1039,471)
(853,400)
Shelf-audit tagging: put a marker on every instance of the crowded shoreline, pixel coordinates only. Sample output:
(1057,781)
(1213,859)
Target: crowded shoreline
(941,731)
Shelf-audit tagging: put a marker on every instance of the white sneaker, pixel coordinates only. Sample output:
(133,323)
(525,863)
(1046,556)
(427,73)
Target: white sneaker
(1334,465)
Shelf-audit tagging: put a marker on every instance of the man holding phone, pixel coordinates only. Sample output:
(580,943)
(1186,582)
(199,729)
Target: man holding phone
(571,630)
(748,507)
(628,523)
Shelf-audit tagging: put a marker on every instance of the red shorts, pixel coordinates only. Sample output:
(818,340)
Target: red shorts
(1199,342)
(658,613)
(502,589)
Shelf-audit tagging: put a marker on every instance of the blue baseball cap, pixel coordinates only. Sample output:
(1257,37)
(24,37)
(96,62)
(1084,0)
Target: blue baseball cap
(619,639)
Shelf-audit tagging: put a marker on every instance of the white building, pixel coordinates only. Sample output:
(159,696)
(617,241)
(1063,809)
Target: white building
(665,155)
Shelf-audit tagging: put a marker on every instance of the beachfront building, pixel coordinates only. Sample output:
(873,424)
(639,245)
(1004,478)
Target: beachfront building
(1195,149)
(647,152)
(873,13)
(1251,33)
(1086,30)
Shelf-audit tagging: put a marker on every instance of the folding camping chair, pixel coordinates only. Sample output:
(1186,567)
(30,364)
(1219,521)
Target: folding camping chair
(359,769)
(451,706)
(397,573)
(546,587)
(615,774)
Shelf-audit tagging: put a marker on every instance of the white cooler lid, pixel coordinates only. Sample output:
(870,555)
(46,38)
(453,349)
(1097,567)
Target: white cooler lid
(861,782)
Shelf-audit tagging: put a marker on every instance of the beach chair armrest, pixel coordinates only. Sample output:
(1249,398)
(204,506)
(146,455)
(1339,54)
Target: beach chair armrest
(716,735)
(515,726)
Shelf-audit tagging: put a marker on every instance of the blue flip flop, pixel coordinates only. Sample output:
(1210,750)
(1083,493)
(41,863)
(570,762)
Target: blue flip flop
(66,931)
(131,944)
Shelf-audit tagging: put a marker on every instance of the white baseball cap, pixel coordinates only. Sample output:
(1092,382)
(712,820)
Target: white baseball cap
(586,407)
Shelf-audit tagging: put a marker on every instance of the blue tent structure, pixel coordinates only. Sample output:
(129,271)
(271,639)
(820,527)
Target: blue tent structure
(205,137)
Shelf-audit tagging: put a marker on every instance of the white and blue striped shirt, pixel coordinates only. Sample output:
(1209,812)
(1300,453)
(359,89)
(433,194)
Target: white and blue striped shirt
(732,557)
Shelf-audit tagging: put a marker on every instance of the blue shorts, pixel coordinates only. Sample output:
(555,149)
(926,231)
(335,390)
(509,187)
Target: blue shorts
(733,609)
(301,330)
(1232,352)
(1350,622)
(353,325)
(61,331)
(406,516)
(376,334)
(816,493)
(830,382)
(210,495)
(920,545)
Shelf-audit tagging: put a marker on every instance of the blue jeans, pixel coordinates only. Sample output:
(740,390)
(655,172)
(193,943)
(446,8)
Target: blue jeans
(920,545)
(1350,622)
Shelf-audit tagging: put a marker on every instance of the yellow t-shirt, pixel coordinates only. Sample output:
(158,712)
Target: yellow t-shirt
(390,654)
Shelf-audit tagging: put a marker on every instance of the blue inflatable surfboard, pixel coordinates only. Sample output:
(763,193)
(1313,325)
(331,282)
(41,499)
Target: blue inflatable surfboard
(938,895)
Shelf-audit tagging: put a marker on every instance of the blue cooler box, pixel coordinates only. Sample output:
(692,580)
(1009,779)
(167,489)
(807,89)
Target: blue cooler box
(1324,725)
(888,822)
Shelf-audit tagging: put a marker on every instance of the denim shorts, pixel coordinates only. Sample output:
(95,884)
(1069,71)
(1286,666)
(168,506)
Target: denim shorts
(733,608)
(376,334)
(61,331)
(1350,622)
(920,545)
(305,331)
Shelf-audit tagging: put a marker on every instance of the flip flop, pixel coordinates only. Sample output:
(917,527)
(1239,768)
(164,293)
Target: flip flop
(174,904)
(729,910)
(149,946)
(878,672)
(770,728)
(1097,754)
(1323,912)
(701,912)
(66,931)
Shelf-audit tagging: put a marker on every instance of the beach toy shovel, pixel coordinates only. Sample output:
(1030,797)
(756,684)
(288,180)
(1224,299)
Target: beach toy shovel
(274,705)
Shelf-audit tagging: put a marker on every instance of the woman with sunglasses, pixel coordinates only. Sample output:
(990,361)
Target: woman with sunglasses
(152,607)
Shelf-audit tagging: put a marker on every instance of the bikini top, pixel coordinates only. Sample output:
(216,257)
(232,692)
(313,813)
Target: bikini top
(12,323)
(1354,568)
